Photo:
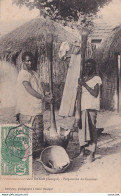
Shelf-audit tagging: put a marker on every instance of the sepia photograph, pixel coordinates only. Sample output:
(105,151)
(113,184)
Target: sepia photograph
(60,96)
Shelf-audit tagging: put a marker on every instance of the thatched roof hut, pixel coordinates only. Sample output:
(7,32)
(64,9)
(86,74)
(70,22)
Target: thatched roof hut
(108,60)
(32,36)
(25,35)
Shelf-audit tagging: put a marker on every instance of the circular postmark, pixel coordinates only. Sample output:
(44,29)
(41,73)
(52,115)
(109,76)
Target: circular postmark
(19,142)
(22,142)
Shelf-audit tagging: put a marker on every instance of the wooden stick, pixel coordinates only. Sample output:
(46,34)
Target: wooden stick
(50,60)
(84,37)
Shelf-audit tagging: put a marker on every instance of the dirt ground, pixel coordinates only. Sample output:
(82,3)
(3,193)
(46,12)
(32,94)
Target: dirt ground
(102,175)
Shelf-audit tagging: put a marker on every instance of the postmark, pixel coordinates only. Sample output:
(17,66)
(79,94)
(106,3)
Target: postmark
(16,151)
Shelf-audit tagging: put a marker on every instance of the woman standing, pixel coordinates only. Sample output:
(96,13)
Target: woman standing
(90,104)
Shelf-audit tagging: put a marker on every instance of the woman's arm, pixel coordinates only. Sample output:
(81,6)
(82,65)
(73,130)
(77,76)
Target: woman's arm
(34,93)
(94,92)
(31,91)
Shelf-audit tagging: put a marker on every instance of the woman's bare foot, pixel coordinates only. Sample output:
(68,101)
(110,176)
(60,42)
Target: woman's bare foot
(90,158)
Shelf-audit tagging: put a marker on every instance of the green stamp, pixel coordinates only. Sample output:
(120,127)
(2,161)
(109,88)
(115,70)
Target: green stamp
(16,150)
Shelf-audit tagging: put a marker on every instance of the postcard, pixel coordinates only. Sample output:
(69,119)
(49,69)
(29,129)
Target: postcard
(60,96)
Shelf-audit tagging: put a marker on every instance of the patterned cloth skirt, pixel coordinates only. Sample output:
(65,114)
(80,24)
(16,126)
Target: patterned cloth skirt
(37,125)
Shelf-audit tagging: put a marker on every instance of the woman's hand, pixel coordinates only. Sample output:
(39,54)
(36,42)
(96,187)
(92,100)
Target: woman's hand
(79,88)
(81,82)
(49,98)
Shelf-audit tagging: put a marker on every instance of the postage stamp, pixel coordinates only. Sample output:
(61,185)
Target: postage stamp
(16,151)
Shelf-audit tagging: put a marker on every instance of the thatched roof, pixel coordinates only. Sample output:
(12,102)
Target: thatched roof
(102,28)
(107,61)
(32,36)
(28,34)
(111,45)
